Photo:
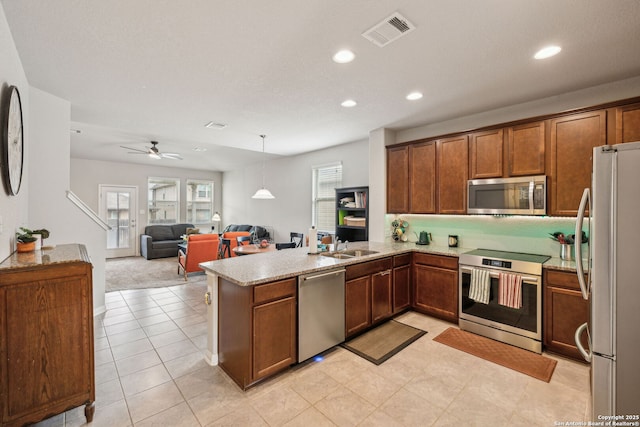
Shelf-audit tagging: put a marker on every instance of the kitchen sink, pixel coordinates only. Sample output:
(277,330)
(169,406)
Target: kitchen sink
(350,253)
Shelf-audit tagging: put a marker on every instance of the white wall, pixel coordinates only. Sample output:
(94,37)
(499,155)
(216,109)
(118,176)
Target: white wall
(49,180)
(86,175)
(13,209)
(290,181)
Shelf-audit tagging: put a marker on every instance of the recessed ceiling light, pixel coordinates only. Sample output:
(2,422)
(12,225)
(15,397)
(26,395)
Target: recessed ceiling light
(547,52)
(349,103)
(214,125)
(344,56)
(413,96)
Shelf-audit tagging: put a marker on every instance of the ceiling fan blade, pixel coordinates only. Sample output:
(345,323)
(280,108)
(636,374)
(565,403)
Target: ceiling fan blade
(137,151)
(172,156)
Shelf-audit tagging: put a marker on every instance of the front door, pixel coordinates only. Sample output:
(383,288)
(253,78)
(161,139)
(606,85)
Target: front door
(118,207)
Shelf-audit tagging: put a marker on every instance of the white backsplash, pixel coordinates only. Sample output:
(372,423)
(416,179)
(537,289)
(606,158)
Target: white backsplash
(528,234)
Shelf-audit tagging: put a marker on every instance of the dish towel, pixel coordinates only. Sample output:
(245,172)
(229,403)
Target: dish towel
(480,285)
(510,290)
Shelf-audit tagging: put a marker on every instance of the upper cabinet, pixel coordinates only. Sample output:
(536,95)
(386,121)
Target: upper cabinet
(453,158)
(573,138)
(627,124)
(525,149)
(422,177)
(398,179)
(485,154)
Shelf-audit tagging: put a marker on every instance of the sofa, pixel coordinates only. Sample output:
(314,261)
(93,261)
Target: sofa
(161,241)
(258,232)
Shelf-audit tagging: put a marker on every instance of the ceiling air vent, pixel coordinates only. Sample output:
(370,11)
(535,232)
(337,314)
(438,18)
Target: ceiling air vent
(390,29)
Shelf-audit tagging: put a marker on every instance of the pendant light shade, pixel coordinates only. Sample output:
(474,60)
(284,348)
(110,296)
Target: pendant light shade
(263,193)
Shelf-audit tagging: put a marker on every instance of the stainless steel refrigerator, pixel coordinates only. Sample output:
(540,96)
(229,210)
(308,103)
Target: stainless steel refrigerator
(613,286)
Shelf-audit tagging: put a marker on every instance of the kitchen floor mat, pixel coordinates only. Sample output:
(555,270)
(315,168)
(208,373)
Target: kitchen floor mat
(518,359)
(382,342)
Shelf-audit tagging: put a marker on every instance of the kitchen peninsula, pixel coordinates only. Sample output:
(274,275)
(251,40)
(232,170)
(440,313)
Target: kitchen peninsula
(242,289)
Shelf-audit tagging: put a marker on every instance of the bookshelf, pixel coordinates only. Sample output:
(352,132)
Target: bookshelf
(352,214)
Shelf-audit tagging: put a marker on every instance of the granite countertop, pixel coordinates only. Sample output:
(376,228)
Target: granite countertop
(48,255)
(286,263)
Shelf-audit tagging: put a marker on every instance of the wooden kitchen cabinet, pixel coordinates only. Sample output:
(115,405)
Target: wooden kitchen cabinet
(564,311)
(573,138)
(627,124)
(257,329)
(401,282)
(398,179)
(526,149)
(46,335)
(368,294)
(485,154)
(422,178)
(453,161)
(435,285)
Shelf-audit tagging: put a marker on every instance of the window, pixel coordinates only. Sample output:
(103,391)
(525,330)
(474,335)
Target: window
(164,200)
(199,201)
(325,181)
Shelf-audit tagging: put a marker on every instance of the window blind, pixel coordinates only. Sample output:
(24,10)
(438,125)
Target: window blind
(325,181)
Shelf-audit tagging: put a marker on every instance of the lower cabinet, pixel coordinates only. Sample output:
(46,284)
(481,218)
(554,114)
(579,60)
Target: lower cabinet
(257,329)
(435,285)
(564,310)
(368,294)
(401,282)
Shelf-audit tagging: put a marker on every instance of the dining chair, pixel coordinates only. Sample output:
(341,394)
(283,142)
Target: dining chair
(225,248)
(231,235)
(288,245)
(297,238)
(243,240)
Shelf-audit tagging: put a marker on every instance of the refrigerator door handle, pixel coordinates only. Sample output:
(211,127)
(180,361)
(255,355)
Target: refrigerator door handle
(585,354)
(584,286)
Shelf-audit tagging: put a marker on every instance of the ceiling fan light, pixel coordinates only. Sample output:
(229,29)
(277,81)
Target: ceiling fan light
(263,193)
(154,156)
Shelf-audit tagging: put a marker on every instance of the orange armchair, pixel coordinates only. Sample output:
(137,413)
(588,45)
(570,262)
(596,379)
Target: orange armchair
(200,248)
(231,235)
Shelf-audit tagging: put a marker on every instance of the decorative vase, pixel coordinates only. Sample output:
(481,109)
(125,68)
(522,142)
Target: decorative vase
(26,247)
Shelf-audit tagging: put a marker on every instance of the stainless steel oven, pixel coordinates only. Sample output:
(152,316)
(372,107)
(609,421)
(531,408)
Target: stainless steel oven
(521,326)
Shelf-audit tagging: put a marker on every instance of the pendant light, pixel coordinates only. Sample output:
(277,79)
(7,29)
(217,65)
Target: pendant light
(263,193)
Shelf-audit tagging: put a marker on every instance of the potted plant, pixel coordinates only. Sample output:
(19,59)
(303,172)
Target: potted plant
(25,241)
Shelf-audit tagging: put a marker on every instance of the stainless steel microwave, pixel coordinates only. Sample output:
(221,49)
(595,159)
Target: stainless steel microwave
(525,195)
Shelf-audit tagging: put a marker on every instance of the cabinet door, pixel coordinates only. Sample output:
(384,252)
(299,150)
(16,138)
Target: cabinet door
(572,141)
(381,296)
(398,179)
(564,310)
(525,149)
(485,154)
(422,177)
(49,346)
(436,291)
(274,337)
(453,166)
(357,305)
(627,124)
(401,288)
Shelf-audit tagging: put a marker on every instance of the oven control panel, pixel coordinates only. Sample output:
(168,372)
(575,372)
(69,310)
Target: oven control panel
(496,263)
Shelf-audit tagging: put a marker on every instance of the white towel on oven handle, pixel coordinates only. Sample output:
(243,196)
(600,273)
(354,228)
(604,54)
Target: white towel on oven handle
(480,286)
(510,290)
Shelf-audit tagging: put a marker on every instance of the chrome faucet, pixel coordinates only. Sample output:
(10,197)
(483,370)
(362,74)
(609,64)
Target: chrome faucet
(346,245)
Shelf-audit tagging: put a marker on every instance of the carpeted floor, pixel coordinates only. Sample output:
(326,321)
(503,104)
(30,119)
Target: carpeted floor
(139,273)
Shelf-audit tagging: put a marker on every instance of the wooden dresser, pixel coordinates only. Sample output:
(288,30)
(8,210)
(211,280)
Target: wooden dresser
(46,334)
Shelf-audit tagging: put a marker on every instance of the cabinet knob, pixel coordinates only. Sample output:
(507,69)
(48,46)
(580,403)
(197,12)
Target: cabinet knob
(207,298)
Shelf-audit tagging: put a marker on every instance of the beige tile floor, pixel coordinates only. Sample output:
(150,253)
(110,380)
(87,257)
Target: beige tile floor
(150,371)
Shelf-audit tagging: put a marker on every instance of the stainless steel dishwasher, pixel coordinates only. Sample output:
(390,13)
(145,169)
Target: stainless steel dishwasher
(320,312)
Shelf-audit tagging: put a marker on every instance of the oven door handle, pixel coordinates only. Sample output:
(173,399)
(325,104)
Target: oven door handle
(494,275)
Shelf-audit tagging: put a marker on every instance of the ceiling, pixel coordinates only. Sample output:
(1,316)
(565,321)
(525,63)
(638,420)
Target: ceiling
(136,71)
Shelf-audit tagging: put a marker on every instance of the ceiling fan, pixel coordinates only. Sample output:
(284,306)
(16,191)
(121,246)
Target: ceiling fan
(153,152)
